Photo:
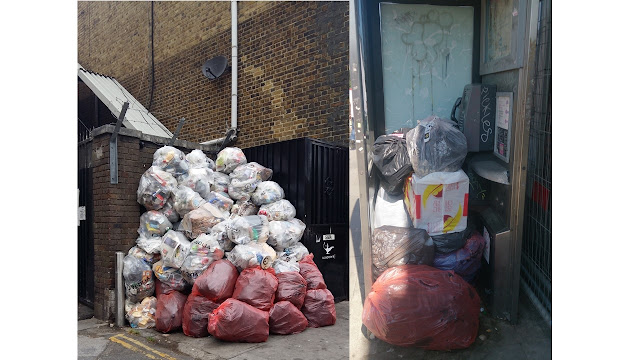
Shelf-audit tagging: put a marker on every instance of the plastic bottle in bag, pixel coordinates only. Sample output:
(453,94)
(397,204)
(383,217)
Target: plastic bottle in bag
(170,160)
(267,192)
(175,248)
(155,188)
(252,254)
(436,145)
(229,158)
(278,211)
(138,281)
(284,234)
(246,229)
(185,200)
(153,223)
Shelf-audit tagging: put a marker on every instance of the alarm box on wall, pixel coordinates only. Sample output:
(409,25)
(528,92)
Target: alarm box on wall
(476,117)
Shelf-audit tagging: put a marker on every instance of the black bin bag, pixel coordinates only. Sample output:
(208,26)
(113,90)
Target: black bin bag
(391,158)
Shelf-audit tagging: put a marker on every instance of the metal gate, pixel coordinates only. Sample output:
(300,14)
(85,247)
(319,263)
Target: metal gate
(85,238)
(536,241)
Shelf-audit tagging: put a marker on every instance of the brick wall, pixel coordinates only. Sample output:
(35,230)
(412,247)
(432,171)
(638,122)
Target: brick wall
(292,65)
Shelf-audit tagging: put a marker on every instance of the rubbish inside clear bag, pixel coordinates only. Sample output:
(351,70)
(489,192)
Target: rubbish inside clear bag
(175,248)
(202,219)
(198,180)
(281,266)
(252,254)
(185,200)
(138,281)
(229,158)
(219,182)
(220,200)
(297,251)
(141,315)
(153,223)
(246,229)
(197,159)
(155,188)
(244,208)
(283,234)
(242,189)
(170,276)
(278,211)
(267,192)
(171,160)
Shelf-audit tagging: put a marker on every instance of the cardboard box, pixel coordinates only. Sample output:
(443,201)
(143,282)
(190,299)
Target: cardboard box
(438,202)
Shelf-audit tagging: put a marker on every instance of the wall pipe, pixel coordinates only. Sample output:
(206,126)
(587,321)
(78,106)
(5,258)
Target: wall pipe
(119,289)
(234,77)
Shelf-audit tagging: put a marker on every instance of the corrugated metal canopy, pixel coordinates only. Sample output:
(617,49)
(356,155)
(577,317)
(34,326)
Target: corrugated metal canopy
(114,95)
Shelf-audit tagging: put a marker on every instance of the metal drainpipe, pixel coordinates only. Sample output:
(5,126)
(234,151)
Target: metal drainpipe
(234,74)
(119,289)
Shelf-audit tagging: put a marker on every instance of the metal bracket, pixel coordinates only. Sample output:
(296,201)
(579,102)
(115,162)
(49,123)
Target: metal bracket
(175,134)
(113,146)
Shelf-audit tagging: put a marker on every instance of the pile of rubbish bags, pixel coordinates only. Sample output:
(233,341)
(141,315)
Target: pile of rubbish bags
(219,252)
(424,256)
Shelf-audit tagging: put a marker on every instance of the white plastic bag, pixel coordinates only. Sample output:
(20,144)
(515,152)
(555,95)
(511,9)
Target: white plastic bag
(267,192)
(229,158)
(170,160)
(155,188)
(153,223)
(150,245)
(390,210)
(198,180)
(283,234)
(278,211)
(246,229)
(175,248)
(242,190)
(252,254)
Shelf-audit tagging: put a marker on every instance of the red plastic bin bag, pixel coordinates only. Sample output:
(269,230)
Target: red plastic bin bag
(217,282)
(285,319)
(257,287)
(195,315)
(319,308)
(418,305)
(311,274)
(238,321)
(291,287)
(169,311)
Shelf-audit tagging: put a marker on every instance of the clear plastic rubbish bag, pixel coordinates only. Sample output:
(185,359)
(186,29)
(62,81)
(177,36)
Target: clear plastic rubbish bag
(219,182)
(141,315)
(153,223)
(220,200)
(185,200)
(229,158)
(202,219)
(150,245)
(138,281)
(143,255)
(175,248)
(267,192)
(208,245)
(252,254)
(242,189)
(170,160)
(436,145)
(198,180)
(169,211)
(155,188)
(244,208)
(280,210)
(196,159)
(246,229)
(280,265)
(220,232)
(170,276)
(194,265)
(296,251)
(283,234)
